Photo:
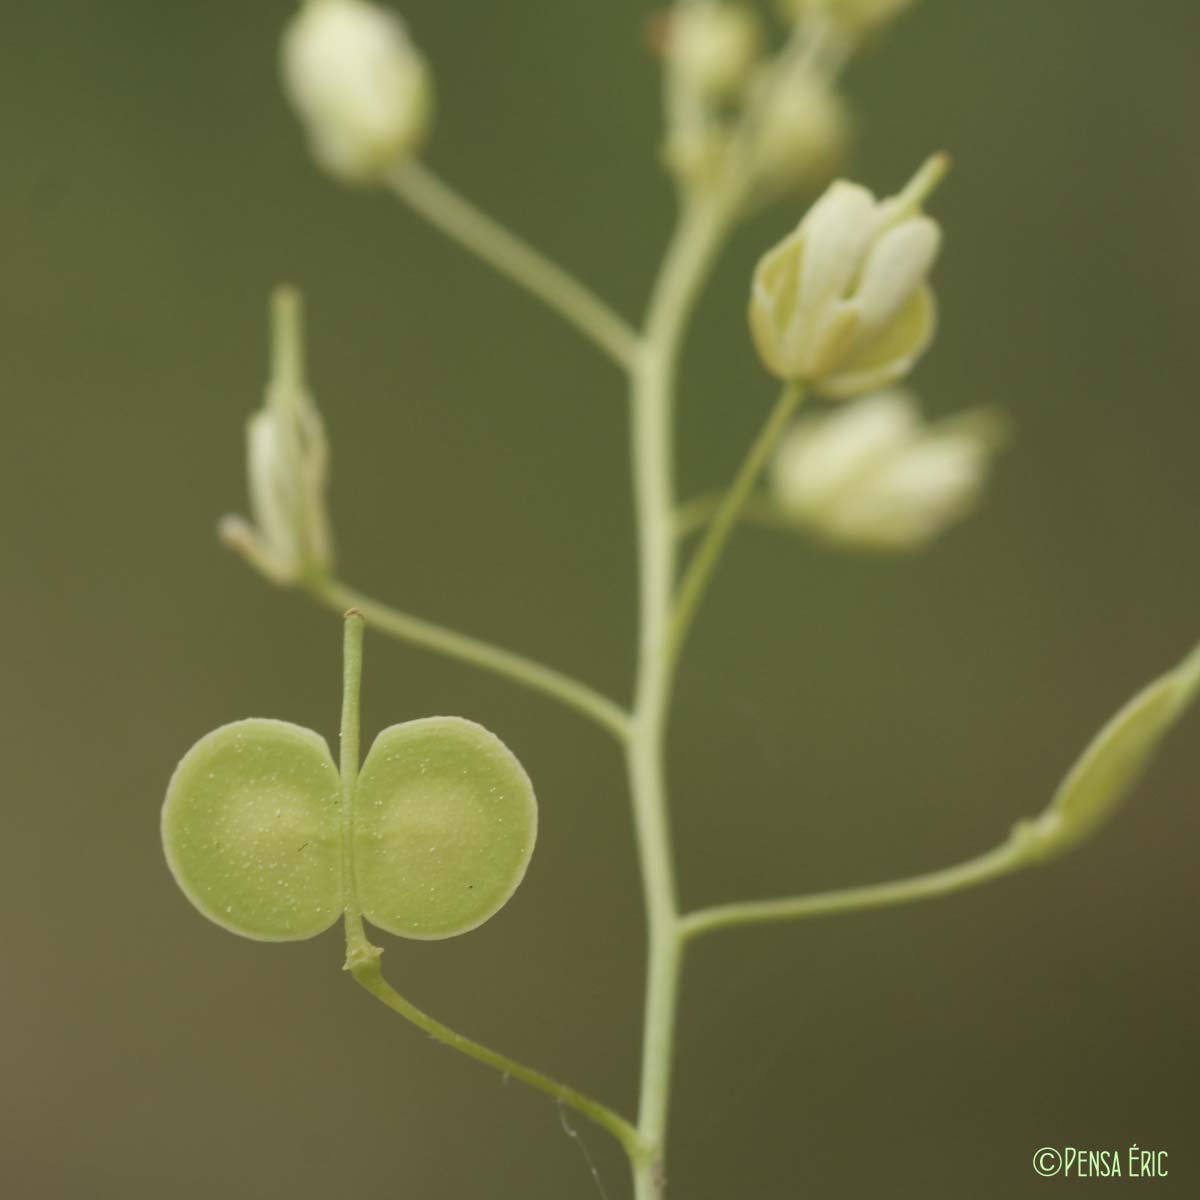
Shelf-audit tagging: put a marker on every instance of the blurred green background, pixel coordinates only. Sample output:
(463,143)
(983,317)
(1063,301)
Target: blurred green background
(842,720)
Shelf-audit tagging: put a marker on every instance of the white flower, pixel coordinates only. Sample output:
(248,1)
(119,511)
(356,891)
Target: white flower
(873,475)
(359,85)
(287,458)
(842,303)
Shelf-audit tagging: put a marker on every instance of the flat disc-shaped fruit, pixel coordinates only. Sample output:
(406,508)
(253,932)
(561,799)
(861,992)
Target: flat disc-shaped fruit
(445,821)
(251,833)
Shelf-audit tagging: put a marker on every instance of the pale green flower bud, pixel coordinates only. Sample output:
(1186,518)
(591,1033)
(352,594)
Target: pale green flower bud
(802,135)
(287,464)
(872,475)
(360,87)
(713,48)
(842,303)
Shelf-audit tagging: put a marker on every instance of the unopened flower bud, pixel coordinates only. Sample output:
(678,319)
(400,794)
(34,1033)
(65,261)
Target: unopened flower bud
(842,303)
(713,48)
(287,464)
(361,88)
(697,154)
(872,475)
(802,135)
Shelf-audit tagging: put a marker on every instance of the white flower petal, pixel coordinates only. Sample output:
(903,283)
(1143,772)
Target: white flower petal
(822,456)
(892,355)
(837,233)
(898,263)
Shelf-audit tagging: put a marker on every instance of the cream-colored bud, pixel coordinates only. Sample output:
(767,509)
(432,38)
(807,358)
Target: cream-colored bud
(287,459)
(842,303)
(713,48)
(872,475)
(360,87)
(802,135)
(697,154)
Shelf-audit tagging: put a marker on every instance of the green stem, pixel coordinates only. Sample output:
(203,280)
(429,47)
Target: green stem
(362,958)
(702,227)
(697,513)
(367,974)
(460,220)
(407,628)
(1024,848)
(1006,858)
(704,562)
(358,948)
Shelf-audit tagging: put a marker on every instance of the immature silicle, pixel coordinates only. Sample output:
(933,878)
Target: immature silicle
(441,827)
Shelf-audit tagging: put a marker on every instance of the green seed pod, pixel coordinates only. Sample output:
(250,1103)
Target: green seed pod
(250,829)
(445,822)
(1111,765)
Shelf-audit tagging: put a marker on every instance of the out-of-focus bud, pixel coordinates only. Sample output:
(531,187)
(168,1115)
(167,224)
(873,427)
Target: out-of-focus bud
(359,85)
(872,475)
(842,303)
(856,17)
(697,153)
(712,48)
(287,466)
(802,135)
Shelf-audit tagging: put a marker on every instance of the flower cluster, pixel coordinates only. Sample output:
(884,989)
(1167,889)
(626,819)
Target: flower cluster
(738,119)
(843,305)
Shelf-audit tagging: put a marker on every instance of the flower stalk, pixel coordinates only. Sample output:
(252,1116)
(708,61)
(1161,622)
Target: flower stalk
(840,308)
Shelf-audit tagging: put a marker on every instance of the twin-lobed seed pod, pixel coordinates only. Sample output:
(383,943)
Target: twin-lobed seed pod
(441,828)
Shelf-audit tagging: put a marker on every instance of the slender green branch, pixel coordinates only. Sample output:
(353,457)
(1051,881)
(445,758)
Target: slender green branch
(358,948)
(1001,861)
(459,219)
(697,513)
(566,690)
(704,562)
(1101,777)
(367,974)
(362,958)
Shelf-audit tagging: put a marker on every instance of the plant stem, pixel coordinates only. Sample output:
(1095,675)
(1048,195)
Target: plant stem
(702,226)
(362,958)
(459,219)
(695,514)
(1011,856)
(368,975)
(407,628)
(704,562)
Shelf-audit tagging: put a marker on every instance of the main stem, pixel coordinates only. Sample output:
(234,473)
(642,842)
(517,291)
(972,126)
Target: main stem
(685,265)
